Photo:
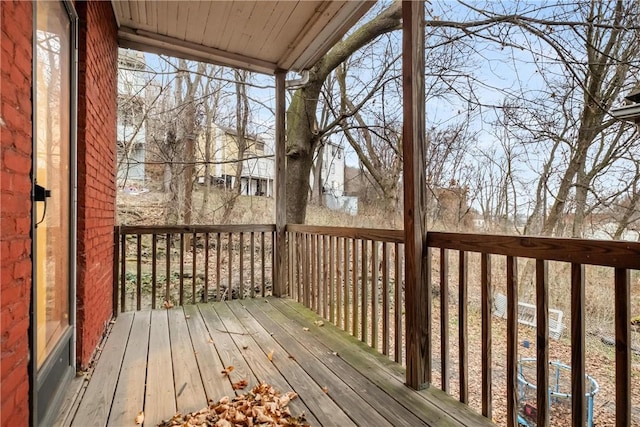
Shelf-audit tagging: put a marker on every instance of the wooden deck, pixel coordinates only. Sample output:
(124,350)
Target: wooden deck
(164,361)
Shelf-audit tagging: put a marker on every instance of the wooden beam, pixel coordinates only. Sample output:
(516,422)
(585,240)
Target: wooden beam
(623,346)
(417,287)
(279,287)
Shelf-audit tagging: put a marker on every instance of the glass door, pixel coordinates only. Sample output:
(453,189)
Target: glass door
(53,207)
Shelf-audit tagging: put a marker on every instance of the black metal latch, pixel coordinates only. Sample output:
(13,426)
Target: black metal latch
(40,193)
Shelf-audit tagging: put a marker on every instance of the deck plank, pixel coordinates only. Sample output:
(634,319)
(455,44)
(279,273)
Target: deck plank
(190,394)
(96,403)
(358,406)
(159,401)
(287,368)
(431,405)
(189,346)
(227,350)
(129,396)
(216,385)
(360,389)
(256,353)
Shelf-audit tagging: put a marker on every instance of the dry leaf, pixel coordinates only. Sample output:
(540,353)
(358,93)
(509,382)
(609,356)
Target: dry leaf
(325,390)
(240,384)
(227,370)
(210,341)
(318,323)
(244,347)
(187,316)
(261,406)
(139,418)
(167,304)
(305,329)
(270,356)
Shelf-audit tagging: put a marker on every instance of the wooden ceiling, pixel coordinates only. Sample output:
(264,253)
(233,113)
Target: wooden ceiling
(261,36)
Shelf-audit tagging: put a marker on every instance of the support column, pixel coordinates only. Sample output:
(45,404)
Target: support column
(280,270)
(417,286)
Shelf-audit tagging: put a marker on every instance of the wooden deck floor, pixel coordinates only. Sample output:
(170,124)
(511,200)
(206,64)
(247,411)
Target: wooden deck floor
(164,361)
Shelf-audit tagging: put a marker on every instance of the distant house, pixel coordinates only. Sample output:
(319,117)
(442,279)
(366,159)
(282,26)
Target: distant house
(256,177)
(131,128)
(332,180)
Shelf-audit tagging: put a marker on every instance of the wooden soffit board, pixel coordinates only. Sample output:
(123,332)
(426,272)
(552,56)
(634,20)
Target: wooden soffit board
(261,36)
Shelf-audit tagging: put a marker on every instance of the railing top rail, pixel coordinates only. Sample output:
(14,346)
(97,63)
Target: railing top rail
(186,229)
(380,235)
(608,253)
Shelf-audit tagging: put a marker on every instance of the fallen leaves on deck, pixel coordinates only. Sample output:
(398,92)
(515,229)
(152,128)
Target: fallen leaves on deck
(139,418)
(270,356)
(167,304)
(262,406)
(318,323)
(227,370)
(240,385)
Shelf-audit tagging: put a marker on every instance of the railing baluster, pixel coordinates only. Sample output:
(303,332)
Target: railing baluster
(332,301)
(339,281)
(345,300)
(230,266)
(123,272)
(318,284)
(444,319)
(542,342)
(325,277)
(299,268)
(512,340)
(154,257)
(463,321)
(374,294)
(364,315)
(577,345)
(263,289)
(385,298)
(623,346)
(167,277)
(181,296)
(313,241)
(354,287)
(241,269)
(194,257)
(205,297)
(397,305)
(138,272)
(485,271)
(116,269)
(308,269)
(218,290)
(290,266)
(253,277)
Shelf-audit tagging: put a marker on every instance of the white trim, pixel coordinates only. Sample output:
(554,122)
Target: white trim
(629,113)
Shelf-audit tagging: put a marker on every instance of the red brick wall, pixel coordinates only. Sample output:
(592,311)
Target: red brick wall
(15,182)
(97,87)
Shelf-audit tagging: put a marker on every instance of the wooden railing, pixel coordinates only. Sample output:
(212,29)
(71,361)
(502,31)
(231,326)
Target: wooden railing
(159,266)
(353,278)
(621,256)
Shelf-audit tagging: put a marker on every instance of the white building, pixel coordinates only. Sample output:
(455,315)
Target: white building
(131,127)
(332,179)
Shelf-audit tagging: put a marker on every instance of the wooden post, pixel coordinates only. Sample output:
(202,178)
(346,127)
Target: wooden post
(279,285)
(417,287)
